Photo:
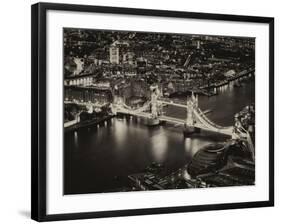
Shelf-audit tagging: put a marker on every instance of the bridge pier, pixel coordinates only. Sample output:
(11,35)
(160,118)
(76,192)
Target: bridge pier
(190,130)
(152,121)
(120,115)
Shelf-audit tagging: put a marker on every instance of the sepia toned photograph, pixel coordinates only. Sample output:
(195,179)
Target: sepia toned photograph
(157,111)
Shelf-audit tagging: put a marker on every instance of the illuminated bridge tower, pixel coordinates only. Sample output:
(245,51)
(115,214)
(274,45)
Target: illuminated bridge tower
(155,108)
(189,127)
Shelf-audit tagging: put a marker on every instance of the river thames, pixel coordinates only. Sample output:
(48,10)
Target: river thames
(99,158)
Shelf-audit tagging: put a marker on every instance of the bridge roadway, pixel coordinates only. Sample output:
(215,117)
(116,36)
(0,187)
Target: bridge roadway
(204,125)
(85,103)
(172,103)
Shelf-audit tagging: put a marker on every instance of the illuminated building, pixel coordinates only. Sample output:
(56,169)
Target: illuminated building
(114,55)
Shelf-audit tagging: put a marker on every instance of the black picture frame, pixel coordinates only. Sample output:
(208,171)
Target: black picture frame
(38,108)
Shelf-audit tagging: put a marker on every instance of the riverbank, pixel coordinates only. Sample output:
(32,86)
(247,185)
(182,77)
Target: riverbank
(84,124)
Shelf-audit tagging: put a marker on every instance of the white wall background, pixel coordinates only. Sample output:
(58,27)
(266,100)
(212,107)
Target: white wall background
(15,110)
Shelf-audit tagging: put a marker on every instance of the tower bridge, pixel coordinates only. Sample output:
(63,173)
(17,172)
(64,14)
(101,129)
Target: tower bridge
(195,117)
(195,121)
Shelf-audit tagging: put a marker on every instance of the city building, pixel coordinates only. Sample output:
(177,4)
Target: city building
(114,55)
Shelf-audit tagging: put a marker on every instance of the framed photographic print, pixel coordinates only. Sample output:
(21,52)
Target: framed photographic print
(139,111)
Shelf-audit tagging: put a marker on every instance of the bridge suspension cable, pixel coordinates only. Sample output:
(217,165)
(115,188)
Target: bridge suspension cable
(132,111)
(206,119)
(211,125)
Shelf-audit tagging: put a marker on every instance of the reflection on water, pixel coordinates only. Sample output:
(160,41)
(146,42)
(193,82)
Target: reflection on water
(76,140)
(159,146)
(120,134)
(122,148)
(192,145)
(100,158)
